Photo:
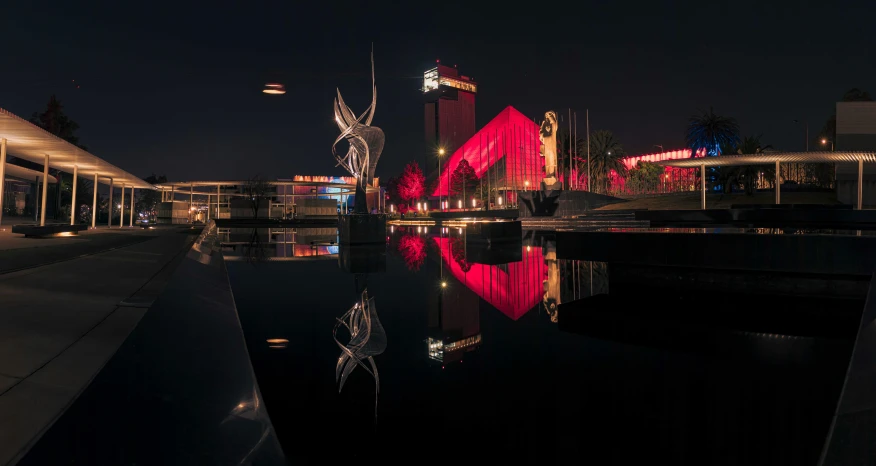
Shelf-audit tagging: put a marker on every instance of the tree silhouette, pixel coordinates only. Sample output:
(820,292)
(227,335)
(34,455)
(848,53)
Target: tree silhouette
(711,131)
(464,181)
(605,154)
(411,184)
(56,122)
(148,198)
(256,189)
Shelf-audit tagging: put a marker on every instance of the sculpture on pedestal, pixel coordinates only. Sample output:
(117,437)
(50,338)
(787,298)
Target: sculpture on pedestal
(547,135)
(365,143)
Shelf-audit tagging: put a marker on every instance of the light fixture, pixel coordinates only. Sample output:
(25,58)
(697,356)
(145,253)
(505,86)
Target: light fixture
(441,151)
(443,284)
(460,203)
(274,88)
(500,200)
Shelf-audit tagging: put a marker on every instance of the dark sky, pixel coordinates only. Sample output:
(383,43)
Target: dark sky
(176,89)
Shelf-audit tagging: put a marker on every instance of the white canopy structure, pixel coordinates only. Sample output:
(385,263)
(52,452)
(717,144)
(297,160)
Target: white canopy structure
(777,158)
(27,141)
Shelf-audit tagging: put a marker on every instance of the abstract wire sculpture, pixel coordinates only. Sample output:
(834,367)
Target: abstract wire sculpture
(365,143)
(367,339)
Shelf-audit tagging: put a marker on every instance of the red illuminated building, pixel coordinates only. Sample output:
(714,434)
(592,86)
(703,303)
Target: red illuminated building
(513,288)
(449,112)
(504,155)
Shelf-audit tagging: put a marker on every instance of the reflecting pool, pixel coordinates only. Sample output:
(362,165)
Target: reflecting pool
(444,348)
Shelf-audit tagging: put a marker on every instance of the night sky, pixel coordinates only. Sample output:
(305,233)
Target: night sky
(176,90)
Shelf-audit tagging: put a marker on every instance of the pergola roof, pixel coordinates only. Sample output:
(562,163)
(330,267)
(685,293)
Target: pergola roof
(26,173)
(767,158)
(30,142)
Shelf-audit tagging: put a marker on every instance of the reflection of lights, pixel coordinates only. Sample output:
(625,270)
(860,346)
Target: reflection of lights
(276,341)
(392,208)
(443,284)
(528,248)
(474,203)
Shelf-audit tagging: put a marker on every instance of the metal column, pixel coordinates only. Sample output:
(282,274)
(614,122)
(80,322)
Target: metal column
(45,190)
(860,184)
(702,186)
(778,183)
(208,206)
(191,203)
(94,204)
(2,175)
(122,209)
(109,221)
(73,200)
(131,221)
(218,199)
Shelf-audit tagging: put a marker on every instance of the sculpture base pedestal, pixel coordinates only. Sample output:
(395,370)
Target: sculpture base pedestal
(364,258)
(361,229)
(551,184)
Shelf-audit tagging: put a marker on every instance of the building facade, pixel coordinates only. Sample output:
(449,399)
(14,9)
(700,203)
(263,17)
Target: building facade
(449,113)
(855,131)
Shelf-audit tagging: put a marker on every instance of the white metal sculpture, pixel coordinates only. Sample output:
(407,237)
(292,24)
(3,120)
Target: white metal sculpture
(365,143)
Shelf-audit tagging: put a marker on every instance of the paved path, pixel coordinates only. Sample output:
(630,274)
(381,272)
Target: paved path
(61,322)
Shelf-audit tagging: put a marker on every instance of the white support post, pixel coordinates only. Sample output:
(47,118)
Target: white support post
(131,222)
(109,221)
(73,200)
(45,191)
(122,209)
(860,183)
(2,175)
(218,199)
(191,203)
(209,207)
(702,186)
(778,183)
(94,204)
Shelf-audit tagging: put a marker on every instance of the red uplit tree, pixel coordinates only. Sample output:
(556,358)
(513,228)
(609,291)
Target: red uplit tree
(413,251)
(411,183)
(464,181)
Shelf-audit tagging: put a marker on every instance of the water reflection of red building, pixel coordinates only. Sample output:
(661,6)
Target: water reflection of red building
(513,288)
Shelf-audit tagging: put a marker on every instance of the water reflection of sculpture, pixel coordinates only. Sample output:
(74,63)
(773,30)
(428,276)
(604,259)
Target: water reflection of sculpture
(367,339)
(569,280)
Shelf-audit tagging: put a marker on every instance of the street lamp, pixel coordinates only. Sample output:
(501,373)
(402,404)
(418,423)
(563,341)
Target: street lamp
(441,154)
(824,142)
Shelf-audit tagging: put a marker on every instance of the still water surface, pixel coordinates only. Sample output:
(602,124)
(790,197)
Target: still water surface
(484,368)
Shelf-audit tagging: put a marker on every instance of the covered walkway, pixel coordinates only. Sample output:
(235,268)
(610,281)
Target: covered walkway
(27,141)
(777,158)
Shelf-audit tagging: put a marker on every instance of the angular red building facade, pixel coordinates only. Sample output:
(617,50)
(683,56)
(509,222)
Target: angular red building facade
(504,155)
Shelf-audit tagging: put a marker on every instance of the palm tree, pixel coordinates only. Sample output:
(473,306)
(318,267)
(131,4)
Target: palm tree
(711,131)
(605,154)
(747,174)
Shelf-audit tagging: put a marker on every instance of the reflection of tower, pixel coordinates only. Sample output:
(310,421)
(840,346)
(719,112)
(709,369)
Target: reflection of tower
(454,317)
(449,112)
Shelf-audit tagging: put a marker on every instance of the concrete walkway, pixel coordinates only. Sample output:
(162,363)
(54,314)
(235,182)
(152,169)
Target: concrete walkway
(61,322)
